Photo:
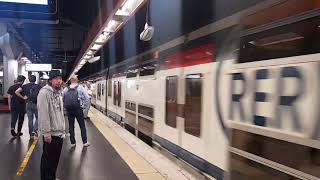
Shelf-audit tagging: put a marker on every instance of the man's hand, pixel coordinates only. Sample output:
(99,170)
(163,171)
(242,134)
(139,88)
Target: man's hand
(25,97)
(48,139)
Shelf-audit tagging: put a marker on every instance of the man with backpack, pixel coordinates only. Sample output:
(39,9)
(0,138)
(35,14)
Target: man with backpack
(75,99)
(31,91)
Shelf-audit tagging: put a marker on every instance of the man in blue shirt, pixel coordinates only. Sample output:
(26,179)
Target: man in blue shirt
(75,99)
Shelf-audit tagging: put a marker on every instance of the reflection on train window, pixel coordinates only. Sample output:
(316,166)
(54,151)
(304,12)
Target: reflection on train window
(119,94)
(147,69)
(243,168)
(171,100)
(193,104)
(130,119)
(279,151)
(109,88)
(147,111)
(102,90)
(132,72)
(99,92)
(130,105)
(145,126)
(299,38)
(115,92)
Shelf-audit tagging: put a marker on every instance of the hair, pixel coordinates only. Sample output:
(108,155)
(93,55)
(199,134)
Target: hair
(32,78)
(20,79)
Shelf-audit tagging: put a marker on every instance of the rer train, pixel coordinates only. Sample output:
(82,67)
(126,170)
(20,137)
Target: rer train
(238,99)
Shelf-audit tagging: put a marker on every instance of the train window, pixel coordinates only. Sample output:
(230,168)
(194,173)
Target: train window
(171,100)
(131,106)
(102,90)
(147,69)
(109,88)
(119,94)
(130,119)
(132,72)
(243,168)
(278,151)
(193,104)
(99,92)
(299,38)
(115,92)
(145,126)
(147,111)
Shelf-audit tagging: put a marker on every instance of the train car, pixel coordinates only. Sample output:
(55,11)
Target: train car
(239,99)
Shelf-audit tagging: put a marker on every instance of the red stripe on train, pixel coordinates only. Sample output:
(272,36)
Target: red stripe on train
(199,55)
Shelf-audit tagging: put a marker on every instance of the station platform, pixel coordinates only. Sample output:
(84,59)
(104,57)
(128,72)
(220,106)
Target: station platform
(114,154)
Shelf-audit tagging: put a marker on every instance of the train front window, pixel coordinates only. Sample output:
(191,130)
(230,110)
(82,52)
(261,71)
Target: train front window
(193,104)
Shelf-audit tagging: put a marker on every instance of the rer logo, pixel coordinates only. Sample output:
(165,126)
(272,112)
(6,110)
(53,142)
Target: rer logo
(273,97)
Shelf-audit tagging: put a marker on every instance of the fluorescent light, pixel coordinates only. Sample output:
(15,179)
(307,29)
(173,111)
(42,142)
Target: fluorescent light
(276,39)
(96,47)
(129,7)
(41,2)
(86,57)
(89,53)
(112,26)
(38,67)
(1,73)
(82,62)
(102,38)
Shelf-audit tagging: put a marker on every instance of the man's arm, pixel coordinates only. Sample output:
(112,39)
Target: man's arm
(43,116)
(18,93)
(9,101)
(86,96)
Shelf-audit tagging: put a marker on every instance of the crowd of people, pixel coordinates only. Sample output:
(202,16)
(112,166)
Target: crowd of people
(45,107)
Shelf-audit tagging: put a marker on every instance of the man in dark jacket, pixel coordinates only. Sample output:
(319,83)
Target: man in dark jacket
(17,106)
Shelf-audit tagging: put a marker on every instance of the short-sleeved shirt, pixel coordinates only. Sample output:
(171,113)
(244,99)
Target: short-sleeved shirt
(26,89)
(16,102)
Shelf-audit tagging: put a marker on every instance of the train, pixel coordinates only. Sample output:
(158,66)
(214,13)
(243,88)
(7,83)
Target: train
(237,98)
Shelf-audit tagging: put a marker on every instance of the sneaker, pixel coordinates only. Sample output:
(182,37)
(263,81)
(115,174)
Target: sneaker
(73,145)
(13,132)
(19,134)
(86,144)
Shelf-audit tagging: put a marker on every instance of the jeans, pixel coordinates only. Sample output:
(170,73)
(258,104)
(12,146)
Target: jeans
(50,158)
(72,114)
(31,112)
(15,115)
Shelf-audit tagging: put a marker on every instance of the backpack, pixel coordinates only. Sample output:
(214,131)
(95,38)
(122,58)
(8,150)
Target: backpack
(33,94)
(71,99)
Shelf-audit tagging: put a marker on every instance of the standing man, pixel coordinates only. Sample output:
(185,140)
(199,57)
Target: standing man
(75,100)
(17,106)
(89,92)
(51,124)
(31,91)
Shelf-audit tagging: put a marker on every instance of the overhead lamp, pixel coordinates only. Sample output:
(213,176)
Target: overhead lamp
(86,57)
(129,7)
(96,47)
(112,26)
(82,62)
(94,59)
(90,53)
(102,38)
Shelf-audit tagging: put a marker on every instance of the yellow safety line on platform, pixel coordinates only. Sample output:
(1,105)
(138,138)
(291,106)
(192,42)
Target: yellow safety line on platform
(27,158)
